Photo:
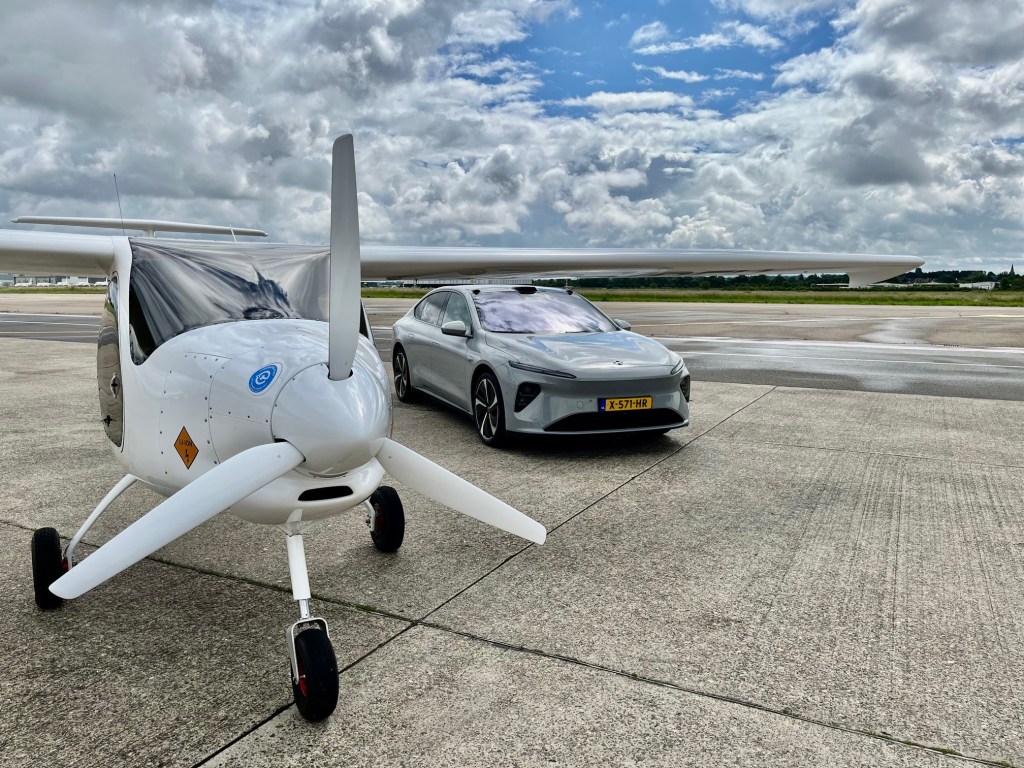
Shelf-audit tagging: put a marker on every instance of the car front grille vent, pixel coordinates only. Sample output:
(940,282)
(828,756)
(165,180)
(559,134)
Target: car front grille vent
(664,418)
(526,394)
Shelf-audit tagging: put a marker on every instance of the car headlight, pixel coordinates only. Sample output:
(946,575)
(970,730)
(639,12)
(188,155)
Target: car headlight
(535,369)
(678,367)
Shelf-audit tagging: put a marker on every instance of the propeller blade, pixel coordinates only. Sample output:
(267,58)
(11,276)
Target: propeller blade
(437,483)
(344,308)
(197,502)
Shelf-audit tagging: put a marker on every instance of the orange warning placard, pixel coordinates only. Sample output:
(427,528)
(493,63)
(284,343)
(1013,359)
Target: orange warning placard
(186,448)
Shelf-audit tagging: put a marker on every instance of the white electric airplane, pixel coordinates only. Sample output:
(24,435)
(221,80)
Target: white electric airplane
(230,379)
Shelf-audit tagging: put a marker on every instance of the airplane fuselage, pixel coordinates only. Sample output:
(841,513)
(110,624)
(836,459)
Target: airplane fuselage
(210,393)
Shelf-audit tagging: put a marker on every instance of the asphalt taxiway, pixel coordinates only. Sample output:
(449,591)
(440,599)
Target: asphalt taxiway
(803,577)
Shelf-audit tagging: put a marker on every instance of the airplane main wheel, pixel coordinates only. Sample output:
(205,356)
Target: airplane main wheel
(388,529)
(47,567)
(316,693)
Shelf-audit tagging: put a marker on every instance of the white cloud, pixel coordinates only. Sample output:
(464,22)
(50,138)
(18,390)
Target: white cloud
(654,40)
(776,9)
(737,74)
(635,101)
(649,34)
(680,75)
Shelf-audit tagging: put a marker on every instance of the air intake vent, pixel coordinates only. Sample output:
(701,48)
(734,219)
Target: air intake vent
(326,494)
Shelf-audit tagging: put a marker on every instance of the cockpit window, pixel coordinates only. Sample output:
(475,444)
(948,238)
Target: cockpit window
(539,311)
(174,289)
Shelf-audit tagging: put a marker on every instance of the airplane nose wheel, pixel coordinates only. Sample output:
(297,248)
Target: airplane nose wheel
(48,565)
(385,516)
(316,689)
(314,667)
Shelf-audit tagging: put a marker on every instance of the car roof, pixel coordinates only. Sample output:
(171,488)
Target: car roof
(493,288)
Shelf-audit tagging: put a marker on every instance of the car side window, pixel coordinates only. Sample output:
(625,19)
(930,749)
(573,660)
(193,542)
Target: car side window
(429,310)
(457,309)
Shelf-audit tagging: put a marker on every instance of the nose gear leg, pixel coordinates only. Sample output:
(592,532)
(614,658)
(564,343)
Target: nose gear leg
(314,667)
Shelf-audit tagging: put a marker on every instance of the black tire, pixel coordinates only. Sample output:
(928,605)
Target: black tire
(403,383)
(316,693)
(47,567)
(388,531)
(489,410)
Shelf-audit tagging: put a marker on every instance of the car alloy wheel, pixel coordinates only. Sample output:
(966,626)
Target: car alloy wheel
(403,388)
(488,410)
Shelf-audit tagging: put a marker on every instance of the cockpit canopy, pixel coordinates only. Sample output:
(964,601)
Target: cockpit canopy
(175,287)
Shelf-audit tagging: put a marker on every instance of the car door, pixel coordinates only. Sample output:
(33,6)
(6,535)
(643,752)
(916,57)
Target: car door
(419,341)
(448,358)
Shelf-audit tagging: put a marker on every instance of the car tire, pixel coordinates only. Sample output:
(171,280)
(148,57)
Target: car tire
(489,410)
(404,389)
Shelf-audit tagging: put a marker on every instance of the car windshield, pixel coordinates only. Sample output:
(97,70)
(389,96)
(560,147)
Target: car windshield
(539,312)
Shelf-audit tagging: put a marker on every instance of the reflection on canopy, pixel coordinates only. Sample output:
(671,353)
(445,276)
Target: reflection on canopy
(176,288)
(539,312)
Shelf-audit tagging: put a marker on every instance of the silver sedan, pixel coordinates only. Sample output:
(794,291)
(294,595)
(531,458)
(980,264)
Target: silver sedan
(525,359)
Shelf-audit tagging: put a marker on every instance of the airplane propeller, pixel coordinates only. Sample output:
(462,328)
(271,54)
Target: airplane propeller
(437,483)
(345,268)
(203,498)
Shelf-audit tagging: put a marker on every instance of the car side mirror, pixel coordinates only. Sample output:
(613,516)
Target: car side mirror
(622,324)
(455,328)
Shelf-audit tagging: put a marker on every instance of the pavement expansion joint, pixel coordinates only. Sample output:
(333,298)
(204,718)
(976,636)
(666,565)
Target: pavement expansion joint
(864,452)
(720,697)
(247,732)
(739,410)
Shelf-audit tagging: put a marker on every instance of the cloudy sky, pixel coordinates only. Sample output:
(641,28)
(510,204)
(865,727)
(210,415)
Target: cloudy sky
(882,126)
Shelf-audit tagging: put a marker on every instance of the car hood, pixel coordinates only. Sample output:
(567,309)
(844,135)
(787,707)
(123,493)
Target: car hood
(586,351)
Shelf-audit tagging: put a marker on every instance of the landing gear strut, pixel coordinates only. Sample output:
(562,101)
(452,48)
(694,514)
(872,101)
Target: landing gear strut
(49,562)
(314,665)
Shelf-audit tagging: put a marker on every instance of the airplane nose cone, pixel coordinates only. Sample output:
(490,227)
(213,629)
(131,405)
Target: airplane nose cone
(338,425)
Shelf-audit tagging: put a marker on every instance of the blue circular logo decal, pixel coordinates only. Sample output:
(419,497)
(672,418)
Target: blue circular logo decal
(262,379)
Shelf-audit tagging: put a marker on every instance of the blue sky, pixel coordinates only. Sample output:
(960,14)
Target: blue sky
(595,51)
(870,126)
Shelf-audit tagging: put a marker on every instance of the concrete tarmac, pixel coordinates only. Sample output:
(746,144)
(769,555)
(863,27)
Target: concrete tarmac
(803,577)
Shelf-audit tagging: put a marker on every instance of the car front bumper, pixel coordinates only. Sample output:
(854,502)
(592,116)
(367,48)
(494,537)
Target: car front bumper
(570,406)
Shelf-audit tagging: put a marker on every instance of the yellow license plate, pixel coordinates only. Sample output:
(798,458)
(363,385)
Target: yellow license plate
(610,404)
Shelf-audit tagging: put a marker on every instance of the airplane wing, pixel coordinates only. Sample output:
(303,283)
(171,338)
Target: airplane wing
(399,262)
(45,253)
(52,253)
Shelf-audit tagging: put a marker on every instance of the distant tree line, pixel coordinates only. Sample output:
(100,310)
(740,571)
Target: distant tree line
(921,280)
